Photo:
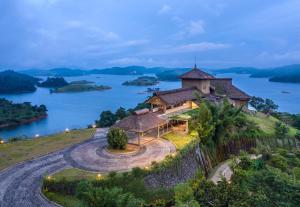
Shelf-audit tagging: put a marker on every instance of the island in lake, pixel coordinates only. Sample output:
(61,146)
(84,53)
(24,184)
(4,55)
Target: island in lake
(14,114)
(79,88)
(55,82)
(142,81)
(15,83)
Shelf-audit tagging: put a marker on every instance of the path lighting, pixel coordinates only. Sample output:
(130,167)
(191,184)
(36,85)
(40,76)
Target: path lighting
(67,130)
(173,154)
(1,142)
(37,136)
(99,176)
(147,168)
(94,125)
(49,177)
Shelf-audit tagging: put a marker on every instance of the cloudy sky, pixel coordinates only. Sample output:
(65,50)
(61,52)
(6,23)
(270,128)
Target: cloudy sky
(104,33)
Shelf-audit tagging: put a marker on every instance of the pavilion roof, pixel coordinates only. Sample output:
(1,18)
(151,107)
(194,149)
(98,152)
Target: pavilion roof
(141,121)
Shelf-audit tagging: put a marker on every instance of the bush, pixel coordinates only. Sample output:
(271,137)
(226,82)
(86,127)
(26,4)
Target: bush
(117,138)
(281,130)
(279,161)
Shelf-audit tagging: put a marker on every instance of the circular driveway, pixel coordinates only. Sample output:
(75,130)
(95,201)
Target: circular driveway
(20,185)
(90,156)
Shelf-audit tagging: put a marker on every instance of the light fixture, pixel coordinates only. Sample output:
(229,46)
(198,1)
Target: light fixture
(94,126)
(1,142)
(37,135)
(99,176)
(67,130)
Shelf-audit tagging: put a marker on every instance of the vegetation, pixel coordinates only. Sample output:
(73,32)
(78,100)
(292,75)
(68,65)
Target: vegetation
(129,185)
(55,82)
(170,75)
(12,114)
(15,152)
(117,139)
(266,106)
(81,82)
(12,82)
(108,118)
(268,181)
(180,140)
(142,81)
(80,88)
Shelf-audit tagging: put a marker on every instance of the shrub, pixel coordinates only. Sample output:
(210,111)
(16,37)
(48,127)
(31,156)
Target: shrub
(281,130)
(184,196)
(117,138)
(279,161)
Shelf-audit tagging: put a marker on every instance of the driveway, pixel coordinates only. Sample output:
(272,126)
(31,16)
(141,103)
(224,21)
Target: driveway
(20,185)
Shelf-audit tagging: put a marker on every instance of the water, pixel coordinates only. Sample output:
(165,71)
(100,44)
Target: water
(77,110)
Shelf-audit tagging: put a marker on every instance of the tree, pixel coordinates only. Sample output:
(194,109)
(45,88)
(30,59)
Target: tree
(117,138)
(121,113)
(281,130)
(184,196)
(107,119)
(270,106)
(203,123)
(257,103)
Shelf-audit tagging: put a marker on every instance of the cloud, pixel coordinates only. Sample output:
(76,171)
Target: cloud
(190,29)
(136,42)
(130,61)
(201,47)
(165,9)
(288,56)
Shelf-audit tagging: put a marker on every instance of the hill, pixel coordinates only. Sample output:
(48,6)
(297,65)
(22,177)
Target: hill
(285,74)
(53,83)
(142,81)
(12,83)
(64,72)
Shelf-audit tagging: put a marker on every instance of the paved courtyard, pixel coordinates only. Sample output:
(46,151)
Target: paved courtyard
(20,185)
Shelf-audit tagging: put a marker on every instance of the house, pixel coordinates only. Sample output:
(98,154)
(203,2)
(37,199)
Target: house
(197,82)
(168,106)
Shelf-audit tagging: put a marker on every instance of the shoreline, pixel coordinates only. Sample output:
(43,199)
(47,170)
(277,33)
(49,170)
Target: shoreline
(23,122)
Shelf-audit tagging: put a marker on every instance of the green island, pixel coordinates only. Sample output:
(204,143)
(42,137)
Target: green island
(142,81)
(80,88)
(14,83)
(14,114)
(53,82)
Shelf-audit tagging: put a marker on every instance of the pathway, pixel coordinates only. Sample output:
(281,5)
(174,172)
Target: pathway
(20,185)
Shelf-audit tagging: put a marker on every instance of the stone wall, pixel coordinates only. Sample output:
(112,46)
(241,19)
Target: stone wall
(180,172)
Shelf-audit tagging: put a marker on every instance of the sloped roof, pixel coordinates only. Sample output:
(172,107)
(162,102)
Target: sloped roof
(140,122)
(224,87)
(172,97)
(197,74)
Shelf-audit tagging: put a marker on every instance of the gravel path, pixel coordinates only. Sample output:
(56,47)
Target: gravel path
(20,185)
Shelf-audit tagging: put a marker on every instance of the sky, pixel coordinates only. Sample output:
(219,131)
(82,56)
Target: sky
(171,33)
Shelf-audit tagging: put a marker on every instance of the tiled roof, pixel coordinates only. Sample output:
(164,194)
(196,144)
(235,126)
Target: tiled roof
(172,97)
(224,87)
(196,73)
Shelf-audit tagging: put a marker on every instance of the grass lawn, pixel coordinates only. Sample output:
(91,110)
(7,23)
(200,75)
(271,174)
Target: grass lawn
(15,152)
(179,139)
(267,123)
(75,174)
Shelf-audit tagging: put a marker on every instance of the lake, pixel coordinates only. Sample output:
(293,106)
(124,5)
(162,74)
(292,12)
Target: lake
(77,110)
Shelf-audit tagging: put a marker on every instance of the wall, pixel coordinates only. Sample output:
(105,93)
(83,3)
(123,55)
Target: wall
(202,85)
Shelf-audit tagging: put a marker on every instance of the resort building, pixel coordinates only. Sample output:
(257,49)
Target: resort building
(168,107)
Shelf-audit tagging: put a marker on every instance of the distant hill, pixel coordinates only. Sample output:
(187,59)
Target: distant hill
(285,74)
(12,82)
(171,75)
(64,72)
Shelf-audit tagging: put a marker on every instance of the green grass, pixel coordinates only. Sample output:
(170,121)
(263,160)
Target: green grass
(75,174)
(267,123)
(15,152)
(179,139)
